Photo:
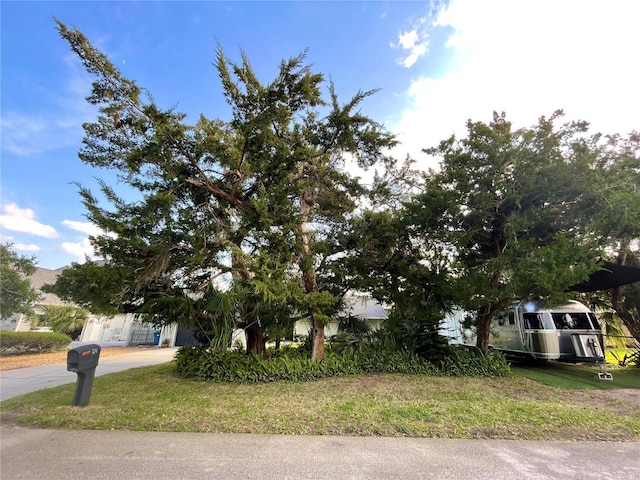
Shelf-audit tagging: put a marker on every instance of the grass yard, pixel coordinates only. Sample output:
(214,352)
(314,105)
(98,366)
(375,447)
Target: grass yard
(580,376)
(518,406)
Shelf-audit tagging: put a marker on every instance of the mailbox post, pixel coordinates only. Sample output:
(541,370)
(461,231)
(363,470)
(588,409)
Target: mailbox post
(83,360)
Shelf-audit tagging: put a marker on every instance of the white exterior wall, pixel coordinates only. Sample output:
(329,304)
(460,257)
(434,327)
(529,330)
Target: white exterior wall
(451,327)
(169,332)
(108,329)
(238,337)
(9,323)
(303,327)
(13,323)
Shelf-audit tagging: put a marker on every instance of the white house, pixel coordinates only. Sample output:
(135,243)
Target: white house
(356,305)
(116,330)
(22,323)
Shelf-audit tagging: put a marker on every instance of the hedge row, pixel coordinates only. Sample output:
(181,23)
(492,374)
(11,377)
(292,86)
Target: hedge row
(200,363)
(16,343)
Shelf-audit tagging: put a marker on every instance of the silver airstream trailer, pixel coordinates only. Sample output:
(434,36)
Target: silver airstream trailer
(568,332)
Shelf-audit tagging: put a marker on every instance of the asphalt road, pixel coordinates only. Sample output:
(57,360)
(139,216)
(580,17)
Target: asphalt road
(53,454)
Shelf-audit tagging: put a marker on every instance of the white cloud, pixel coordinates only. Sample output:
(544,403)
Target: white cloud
(83,248)
(415,42)
(80,250)
(19,246)
(528,58)
(26,248)
(84,227)
(408,40)
(23,220)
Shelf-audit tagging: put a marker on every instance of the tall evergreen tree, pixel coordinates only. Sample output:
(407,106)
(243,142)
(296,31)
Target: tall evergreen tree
(239,200)
(516,213)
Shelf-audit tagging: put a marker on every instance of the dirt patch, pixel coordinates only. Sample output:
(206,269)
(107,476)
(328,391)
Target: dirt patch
(628,397)
(11,362)
(631,395)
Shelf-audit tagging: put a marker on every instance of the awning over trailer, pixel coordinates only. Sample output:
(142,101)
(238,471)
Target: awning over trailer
(610,276)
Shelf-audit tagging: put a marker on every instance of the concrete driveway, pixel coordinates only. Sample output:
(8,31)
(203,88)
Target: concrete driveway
(25,380)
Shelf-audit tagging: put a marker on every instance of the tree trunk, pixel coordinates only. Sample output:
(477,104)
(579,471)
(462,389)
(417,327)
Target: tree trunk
(309,280)
(253,332)
(485,315)
(256,339)
(617,296)
(317,340)
(317,325)
(617,302)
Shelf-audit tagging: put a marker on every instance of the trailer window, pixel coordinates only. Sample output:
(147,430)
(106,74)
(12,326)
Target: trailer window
(533,321)
(571,321)
(512,318)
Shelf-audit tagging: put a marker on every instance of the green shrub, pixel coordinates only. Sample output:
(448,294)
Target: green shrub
(15,343)
(629,357)
(418,334)
(465,362)
(291,364)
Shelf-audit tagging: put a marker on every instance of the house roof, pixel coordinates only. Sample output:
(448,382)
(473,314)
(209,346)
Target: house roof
(44,276)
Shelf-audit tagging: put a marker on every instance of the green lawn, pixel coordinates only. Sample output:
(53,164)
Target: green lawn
(581,376)
(511,407)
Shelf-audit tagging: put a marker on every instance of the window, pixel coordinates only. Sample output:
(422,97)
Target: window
(533,321)
(571,321)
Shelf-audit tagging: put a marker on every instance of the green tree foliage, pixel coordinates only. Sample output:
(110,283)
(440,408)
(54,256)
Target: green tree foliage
(221,203)
(617,167)
(16,293)
(382,252)
(254,221)
(92,287)
(402,268)
(66,319)
(513,213)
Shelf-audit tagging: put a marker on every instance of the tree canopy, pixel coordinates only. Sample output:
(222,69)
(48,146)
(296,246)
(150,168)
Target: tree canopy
(258,219)
(241,202)
(16,293)
(617,215)
(510,213)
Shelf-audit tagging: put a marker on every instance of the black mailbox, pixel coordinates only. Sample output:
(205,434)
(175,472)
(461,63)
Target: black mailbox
(83,360)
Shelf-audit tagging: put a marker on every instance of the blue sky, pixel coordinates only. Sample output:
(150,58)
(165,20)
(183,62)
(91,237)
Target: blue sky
(437,63)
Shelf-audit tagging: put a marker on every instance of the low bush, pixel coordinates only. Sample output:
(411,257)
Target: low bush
(16,343)
(630,356)
(472,362)
(202,363)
